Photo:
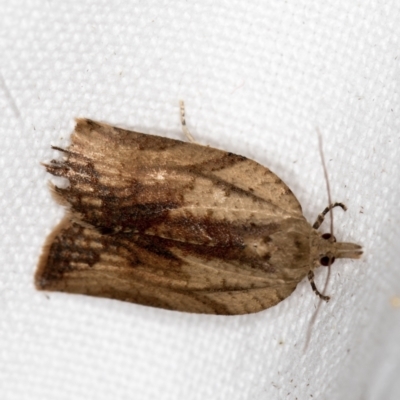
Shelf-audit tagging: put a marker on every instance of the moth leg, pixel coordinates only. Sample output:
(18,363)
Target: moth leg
(321,216)
(183,122)
(314,288)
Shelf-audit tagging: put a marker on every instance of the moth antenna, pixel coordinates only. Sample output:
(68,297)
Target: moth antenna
(314,287)
(183,122)
(328,187)
(322,298)
(330,207)
(311,324)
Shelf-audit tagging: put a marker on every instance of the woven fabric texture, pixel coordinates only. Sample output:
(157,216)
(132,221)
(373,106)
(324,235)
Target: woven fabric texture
(257,78)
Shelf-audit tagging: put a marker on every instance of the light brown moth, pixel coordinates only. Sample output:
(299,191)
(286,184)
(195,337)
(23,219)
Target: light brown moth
(177,225)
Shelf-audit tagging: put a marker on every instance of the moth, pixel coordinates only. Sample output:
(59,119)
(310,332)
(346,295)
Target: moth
(177,225)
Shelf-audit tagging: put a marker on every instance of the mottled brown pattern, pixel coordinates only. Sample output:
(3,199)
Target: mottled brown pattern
(176,225)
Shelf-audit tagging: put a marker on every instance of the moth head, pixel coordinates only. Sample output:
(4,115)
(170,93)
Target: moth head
(329,249)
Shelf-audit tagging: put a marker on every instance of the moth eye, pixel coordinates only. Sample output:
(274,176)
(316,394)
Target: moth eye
(327,236)
(325,260)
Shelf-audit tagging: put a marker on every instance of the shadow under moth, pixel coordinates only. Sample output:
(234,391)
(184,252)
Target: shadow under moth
(177,225)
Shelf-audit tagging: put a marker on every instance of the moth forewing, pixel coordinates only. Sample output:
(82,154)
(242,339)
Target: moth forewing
(176,225)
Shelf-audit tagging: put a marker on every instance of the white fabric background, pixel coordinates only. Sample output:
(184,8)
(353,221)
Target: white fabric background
(256,78)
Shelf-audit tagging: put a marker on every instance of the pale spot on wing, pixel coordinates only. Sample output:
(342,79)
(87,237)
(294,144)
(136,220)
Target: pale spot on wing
(157,175)
(112,259)
(219,196)
(92,201)
(92,244)
(261,248)
(85,188)
(79,265)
